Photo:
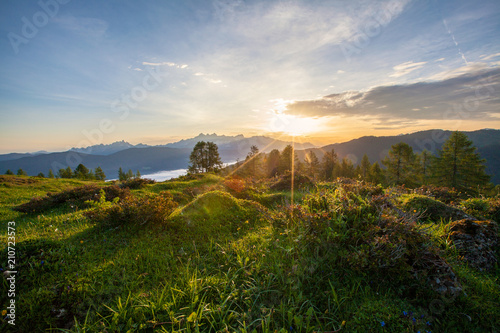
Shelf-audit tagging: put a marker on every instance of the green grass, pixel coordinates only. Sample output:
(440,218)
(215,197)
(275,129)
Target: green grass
(223,264)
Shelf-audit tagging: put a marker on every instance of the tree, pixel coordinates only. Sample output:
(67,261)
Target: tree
(364,167)
(130,174)
(458,165)
(81,172)
(400,164)
(9,172)
(424,162)
(328,164)
(252,161)
(272,163)
(41,175)
(99,174)
(21,172)
(51,174)
(137,174)
(205,158)
(65,173)
(287,157)
(376,174)
(346,168)
(122,176)
(312,163)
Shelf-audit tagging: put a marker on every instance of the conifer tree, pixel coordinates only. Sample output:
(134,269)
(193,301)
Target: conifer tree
(272,162)
(458,165)
(51,174)
(9,172)
(99,174)
(313,164)
(400,164)
(364,167)
(328,165)
(21,172)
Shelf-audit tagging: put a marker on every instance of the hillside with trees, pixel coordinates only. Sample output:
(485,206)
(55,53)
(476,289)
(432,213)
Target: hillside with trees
(269,244)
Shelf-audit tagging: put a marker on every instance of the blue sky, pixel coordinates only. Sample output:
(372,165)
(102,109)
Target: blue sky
(76,73)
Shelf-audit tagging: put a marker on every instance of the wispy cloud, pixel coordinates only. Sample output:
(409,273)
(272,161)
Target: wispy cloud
(406,68)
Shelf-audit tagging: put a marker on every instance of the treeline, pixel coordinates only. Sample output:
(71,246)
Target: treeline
(456,165)
(81,172)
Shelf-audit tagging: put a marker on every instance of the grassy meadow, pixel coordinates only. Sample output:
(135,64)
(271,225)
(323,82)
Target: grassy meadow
(212,254)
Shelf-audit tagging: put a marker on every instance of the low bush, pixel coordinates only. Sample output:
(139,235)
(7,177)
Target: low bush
(284,183)
(443,194)
(76,197)
(136,183)
(151,209)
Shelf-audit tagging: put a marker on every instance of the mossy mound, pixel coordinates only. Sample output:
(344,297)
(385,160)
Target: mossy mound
(216,210)
(431,209)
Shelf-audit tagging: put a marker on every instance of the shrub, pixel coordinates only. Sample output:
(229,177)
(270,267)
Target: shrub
(76,196)
(152,209)
(235,184)
(136,183)
(284,183)
(444,194)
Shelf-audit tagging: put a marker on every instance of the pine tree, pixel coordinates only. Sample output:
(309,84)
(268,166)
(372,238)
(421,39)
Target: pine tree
(252,161)
(129,175)
(346,168)
(272,163)
(122,176)
(365,167)
(424,162)
(51,174)
(458,165)
(328,165)
(41,175)
(205,158)
(313,164)
(401,164)
(99,174)
(9,172)
(376,174)
(21,172)
(287,157)
(137,174)
(81,172)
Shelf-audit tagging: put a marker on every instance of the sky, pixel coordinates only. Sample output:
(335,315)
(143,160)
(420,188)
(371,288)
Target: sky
(76,73)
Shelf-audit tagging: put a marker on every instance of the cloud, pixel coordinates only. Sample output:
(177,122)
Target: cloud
(473,95)
(491,56)
(406,68)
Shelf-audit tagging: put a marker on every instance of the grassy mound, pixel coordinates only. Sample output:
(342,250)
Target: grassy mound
(217,211)
(430,209)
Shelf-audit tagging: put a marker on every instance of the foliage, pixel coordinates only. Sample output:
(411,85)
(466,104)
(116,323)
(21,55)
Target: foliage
(151,209)
(21,172)
(443,194)
(284,183)
(136,183)
(400,164)
(75,197)
(343,258)
(205,158)
(458,165)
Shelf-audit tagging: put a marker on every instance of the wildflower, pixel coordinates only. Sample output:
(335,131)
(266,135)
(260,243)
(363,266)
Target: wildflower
(42,262)
(291,328)
(81,242)
(343,323)
(382,323)
(4,312)
(414,320)
(428,324)
(405,313)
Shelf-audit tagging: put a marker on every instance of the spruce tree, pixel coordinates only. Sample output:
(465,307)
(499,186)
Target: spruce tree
(365,167)
(99,174)
(9,172)
(313,164)
(272,162)
(51,174)
(328,165)
(21,172)
(458,165)
(401,164)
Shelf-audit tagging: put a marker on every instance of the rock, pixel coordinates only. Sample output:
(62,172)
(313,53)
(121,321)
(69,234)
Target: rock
(477,241)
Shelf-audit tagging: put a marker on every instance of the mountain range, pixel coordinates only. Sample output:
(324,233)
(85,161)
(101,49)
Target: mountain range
(171,156)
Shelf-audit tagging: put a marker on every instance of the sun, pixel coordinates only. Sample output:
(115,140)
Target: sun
(294,125)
